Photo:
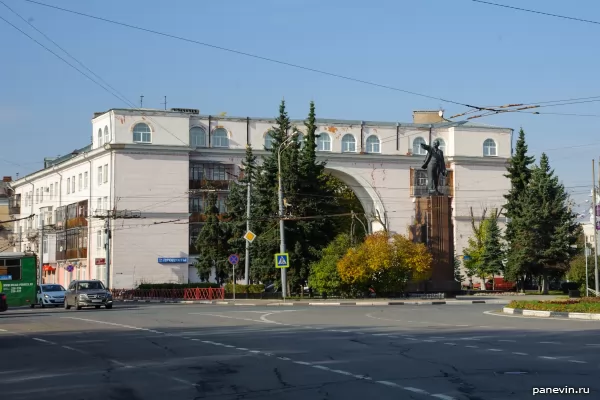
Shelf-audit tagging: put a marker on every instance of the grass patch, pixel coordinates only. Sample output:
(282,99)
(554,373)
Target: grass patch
(583,305)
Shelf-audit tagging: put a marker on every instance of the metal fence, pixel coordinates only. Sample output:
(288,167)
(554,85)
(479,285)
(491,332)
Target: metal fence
(169,294)
(427,295)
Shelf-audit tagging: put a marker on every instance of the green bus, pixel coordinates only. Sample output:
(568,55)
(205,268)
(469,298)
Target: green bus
(18,278)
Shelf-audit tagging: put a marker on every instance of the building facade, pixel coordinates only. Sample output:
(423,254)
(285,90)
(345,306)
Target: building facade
(128,208)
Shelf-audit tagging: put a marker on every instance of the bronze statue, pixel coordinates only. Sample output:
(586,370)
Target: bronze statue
(435,165)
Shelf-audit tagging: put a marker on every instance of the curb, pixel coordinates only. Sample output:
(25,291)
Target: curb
(317,304)
(548,314)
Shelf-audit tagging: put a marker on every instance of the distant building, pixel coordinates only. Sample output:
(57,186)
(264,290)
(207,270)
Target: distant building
(5,227)
(150,170)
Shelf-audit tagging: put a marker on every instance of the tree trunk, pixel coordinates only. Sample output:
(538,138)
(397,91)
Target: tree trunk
(545,284)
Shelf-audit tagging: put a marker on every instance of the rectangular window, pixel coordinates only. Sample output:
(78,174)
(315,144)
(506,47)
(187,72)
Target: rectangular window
(85,180)
(99,240)
(105,173)
(73,184)
(106,203)
(51,190)
(42,194)
(99,175)
(99,204)
(80,182)
(68,185)
(45,244)
(37,196)
(56,189)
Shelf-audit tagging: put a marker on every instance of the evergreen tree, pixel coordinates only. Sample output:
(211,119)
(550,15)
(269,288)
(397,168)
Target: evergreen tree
(552,225)
(237,201)
(492,254)
(211,244)
(519,173)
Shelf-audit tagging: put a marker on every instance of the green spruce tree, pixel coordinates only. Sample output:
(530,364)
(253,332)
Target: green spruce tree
(211,244)
(552,225)
(516,235)
(237,201)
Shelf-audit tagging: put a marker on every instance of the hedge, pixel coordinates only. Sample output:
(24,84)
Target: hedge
(583,305)
(244,288)
(177,285)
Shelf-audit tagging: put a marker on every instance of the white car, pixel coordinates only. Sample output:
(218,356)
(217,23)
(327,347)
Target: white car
(50,294)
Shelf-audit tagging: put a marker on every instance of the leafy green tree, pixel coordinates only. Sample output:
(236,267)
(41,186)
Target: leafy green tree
(576,272)
(324,276)
(552,225)
(211,244)
(472,254)
(492,254)
(519,173)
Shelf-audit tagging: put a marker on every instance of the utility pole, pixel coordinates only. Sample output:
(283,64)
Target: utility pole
(247,259)
(585,248)
(107,246)
(595,223)
(41,274)
(165,103)
(141,101)
(281,225)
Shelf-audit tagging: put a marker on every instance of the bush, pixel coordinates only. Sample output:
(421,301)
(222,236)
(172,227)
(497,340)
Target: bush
(146,286)
(583,305)
(566,286)
(244,288)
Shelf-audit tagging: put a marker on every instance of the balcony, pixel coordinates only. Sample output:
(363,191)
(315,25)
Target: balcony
(14,205)
(74,253)
(206,184)
(418,183)
(76,222)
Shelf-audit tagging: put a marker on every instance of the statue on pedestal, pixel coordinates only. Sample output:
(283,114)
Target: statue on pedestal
(435,165)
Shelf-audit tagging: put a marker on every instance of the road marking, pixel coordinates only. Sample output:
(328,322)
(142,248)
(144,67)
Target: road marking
(3,330)
(577,361)
(547,358)
(506,340)
(550,342)
(462,325)
(43,340)
(451,344)
(520,354)
(357,376)
(495,350)
(472,347)
(112,323)
(74,349)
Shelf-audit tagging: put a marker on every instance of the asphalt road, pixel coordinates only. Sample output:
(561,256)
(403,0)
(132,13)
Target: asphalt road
(157,352)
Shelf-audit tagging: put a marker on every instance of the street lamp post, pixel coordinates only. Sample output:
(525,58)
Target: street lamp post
(282,147)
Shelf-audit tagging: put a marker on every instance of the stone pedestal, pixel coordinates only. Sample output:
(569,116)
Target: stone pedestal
(433,227)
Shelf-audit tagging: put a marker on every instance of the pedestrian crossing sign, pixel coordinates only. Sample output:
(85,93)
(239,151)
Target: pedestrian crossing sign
(282,260)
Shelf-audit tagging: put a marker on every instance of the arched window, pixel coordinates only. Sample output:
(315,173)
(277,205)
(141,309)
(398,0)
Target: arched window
(416,147)
(324,142)
(220,138)
(106,135)
(348,144)
(269,140)
(373,145)
(142,133)
(197,137)
(100,143)
(442,145)
(489,148)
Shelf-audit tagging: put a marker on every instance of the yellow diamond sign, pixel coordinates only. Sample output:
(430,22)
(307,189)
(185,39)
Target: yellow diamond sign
(250,236)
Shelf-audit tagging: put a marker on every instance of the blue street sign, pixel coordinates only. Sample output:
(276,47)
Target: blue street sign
(180,260)
(234,259)
(5,277)
(466,258)
(282,260)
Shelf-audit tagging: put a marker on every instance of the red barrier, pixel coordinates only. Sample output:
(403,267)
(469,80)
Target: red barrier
(169,294)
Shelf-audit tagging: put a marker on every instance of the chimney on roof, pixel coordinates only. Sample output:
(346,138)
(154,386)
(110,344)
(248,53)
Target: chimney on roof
(428,117)
(7,179)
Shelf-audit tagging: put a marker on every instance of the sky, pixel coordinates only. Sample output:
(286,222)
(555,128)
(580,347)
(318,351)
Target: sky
(458,50)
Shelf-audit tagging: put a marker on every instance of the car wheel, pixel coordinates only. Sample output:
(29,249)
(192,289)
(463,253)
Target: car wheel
(97,307)
(32,305)
(42,304)
(77,306)
(67,306)
(108,306)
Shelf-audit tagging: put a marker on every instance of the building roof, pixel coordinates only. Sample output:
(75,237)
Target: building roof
(323,121)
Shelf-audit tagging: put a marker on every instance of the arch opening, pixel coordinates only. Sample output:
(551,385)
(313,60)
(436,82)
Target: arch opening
(357,192)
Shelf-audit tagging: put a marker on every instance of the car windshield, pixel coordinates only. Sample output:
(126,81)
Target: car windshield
(53,288)
(89,285)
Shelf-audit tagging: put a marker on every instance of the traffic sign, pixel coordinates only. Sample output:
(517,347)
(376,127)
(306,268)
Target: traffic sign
(250,236)
(282,260)
(234,259)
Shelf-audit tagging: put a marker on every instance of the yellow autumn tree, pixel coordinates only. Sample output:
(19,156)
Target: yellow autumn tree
(384,263)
